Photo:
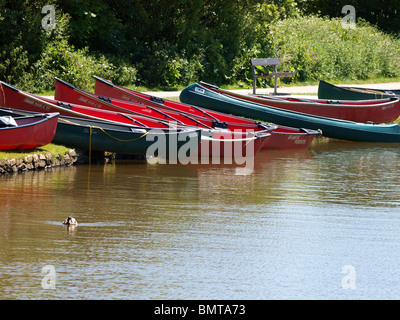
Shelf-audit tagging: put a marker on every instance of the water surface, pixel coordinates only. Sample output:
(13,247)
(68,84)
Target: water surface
(201,232)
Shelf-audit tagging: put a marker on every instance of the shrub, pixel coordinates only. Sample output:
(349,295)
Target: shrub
(77,66)
(14,64)
(320,48)
(165,65)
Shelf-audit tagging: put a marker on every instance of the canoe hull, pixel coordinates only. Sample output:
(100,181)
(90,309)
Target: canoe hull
(290,138)
(108,89)
(98,136)
(100,130)
(330,91)
(229,145)
(31,132)
(90,135)
(333,128)
(377,111)
(281,138)
(11,97)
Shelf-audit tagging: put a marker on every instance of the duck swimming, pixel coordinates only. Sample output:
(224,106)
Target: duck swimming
(70,221)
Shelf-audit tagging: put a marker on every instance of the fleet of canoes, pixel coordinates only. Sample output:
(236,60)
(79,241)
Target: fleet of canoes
(208,122)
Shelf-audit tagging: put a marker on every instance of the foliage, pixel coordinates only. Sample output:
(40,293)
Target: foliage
(59,58)
(320,48)
(19,45)
(77,66)
(176,42)
(384,14)
(167,42)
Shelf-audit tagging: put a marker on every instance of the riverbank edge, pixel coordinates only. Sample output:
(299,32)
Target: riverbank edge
(37,161)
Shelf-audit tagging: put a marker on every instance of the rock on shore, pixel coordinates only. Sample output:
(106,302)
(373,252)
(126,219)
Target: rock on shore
(37,161)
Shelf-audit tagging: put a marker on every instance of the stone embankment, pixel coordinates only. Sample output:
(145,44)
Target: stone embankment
(37,161)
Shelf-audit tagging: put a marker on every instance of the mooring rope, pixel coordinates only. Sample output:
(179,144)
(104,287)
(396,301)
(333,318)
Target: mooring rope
(102,130)
(121,140)
(109,135)
(90,145)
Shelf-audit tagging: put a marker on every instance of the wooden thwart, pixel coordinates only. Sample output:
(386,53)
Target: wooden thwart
(268,62)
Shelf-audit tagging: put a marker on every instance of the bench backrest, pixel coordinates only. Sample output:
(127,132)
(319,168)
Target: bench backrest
(264,61)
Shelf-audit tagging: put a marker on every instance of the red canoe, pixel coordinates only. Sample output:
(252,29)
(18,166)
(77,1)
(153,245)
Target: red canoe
(282,137)
(376,111)
(242,131)
(108,89)
(13,98)
(68,93)
(27,132)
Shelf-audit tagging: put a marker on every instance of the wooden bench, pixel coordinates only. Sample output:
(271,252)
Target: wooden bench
(268,62)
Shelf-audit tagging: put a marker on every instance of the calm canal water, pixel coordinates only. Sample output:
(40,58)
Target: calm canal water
(322,223)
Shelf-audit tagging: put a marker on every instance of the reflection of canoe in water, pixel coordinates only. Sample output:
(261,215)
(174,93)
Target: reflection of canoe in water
(376,111)
(27,132)
(329,91)
(333,128)
(281,137)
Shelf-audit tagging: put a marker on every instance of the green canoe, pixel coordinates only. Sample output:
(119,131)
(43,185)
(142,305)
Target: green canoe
(122,139)
(198,95)
(329,91)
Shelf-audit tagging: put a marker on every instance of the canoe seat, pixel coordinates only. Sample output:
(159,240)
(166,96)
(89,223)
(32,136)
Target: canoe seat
(268,62)
(7,121)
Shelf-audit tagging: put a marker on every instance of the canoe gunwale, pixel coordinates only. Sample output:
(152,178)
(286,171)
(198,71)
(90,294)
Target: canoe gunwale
(42,117)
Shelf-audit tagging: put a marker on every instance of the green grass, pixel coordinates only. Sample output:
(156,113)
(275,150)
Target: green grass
(54,149)
(47,93)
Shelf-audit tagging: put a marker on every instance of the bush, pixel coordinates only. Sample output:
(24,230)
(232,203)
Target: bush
(14,65)
(164,65)
(77,66)
(173,43)
(320,48)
